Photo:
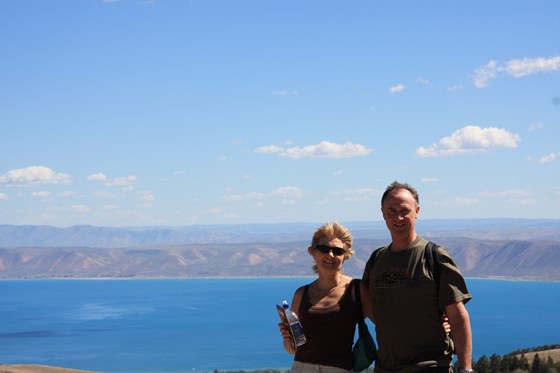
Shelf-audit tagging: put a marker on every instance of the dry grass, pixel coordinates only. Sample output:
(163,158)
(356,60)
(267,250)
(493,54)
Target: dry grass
(554,354)
(29,368)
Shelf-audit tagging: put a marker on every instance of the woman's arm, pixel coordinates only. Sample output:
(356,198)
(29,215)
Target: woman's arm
(289,345)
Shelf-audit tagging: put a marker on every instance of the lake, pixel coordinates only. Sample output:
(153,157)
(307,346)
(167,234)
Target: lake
(186,325)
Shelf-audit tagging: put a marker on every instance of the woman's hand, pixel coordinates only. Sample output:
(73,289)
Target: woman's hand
(445,324)
(289,345)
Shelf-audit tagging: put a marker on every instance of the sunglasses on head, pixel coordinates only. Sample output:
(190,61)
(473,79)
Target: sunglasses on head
(327,249)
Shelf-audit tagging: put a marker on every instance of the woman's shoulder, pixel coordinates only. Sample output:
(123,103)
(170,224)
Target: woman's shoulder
(300,291)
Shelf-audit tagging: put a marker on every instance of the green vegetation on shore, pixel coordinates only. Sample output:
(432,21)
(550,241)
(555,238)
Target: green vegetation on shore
(518,362)
(515,361)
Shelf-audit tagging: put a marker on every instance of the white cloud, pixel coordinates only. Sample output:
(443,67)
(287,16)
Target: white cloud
(41,194)
(455,88)
(232,197)
(68,194)
(517,68)
(397,88)
(324,149)
(549,158)
(97,177)
(509,193)
(360,194)
(289,193)
(230,216)
(288,201)
(457,201)
(256,195)
(483,74)
(429,180)
(269,149)
(425,82)
(525,202)
(470,140)
(145,196)
(515,196)
(285,93)
(535,127)
(34,175)
(3,197)
(81,208)
(122,181)
(529,66)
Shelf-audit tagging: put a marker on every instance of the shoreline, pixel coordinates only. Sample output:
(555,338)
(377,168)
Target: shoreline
(553,353)
(37,368)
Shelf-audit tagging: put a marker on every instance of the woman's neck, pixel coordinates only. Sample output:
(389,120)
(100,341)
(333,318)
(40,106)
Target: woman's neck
(330,281)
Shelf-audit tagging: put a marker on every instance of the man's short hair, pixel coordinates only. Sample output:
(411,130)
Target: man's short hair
(395,185)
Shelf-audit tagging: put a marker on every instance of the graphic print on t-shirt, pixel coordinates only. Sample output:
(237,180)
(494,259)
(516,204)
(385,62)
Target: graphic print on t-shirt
(392,278)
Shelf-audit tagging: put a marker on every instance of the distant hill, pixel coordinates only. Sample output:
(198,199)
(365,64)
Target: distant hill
(521,249)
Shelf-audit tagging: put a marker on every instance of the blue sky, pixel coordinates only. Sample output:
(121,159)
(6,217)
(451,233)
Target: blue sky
(134,113)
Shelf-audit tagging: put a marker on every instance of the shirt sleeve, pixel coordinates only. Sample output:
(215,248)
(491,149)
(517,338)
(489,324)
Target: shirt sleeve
(452,287)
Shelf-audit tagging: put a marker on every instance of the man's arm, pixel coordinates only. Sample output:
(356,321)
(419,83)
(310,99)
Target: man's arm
(461,330)
(367,306)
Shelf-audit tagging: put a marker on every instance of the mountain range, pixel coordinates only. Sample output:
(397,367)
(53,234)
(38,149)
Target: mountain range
(488,248)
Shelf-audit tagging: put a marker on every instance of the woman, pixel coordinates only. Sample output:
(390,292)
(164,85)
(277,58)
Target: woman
(325,307)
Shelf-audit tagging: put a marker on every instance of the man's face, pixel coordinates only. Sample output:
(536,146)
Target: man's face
(400,213)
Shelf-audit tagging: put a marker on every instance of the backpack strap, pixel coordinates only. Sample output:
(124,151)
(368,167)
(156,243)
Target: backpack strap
(434,264)
(357,296)
(358,303)
(434,261)
(373,257)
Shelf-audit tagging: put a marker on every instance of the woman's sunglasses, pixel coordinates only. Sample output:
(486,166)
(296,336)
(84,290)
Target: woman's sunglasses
(338,251)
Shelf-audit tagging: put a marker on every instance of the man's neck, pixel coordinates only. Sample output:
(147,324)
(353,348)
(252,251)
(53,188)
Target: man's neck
(401,243)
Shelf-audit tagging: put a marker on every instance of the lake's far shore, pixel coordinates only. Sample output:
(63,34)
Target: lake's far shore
(311,277)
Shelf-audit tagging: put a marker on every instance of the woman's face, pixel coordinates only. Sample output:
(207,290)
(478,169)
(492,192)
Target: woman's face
(327,254)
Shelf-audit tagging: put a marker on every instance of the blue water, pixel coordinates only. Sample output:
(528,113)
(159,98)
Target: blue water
(118,326)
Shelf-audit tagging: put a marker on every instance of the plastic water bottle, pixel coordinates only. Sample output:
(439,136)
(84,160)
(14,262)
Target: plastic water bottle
(295,325)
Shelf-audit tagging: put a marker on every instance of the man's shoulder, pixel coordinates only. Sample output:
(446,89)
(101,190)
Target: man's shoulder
(373,257)
(377,252)
(419,241)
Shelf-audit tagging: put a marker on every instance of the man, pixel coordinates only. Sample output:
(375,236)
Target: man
(402,299)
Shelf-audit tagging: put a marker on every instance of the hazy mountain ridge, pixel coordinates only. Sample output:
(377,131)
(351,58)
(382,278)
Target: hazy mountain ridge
(115,237)
(262,250)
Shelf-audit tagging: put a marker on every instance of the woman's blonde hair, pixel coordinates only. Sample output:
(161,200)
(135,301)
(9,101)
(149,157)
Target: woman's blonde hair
(332,231)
